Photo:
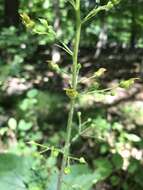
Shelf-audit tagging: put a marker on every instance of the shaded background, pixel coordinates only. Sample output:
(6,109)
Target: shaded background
(33,105)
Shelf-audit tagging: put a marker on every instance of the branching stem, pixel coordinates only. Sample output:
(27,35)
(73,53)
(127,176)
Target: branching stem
(72,101)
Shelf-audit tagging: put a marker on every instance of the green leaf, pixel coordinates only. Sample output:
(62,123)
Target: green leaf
(103,168)
(126,186)
(138,177)
(40,29)
(24,126)
(12,123)
(14,171)
(117,161)
(132,137)
(117,126)
(28,103)
(115,180)
(43,21)
(79,178)
(32,93)
(133,166)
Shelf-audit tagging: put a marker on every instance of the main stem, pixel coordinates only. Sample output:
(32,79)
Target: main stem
(72,101)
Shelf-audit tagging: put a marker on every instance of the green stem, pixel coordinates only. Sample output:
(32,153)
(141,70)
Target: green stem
(72,101)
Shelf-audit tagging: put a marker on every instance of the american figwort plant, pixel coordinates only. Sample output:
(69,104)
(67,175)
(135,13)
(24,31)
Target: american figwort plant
(42,28)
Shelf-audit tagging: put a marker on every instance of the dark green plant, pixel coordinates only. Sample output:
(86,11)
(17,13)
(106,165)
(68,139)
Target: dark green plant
(73,92)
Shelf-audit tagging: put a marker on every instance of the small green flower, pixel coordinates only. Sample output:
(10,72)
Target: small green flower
(54,66)
(67,170)
(100,72)
(82,160)
(27,21)
(110,5)
(54,152)
(127,83)
(71,93)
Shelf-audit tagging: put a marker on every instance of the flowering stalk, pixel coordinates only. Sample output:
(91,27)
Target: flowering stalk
(72,99)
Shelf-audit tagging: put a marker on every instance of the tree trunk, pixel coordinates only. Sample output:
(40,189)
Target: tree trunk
(56,56)
(103,37)
(11,12)
(133,25)
(102,41)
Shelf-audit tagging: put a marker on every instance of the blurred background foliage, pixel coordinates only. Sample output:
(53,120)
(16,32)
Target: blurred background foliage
(34,107)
